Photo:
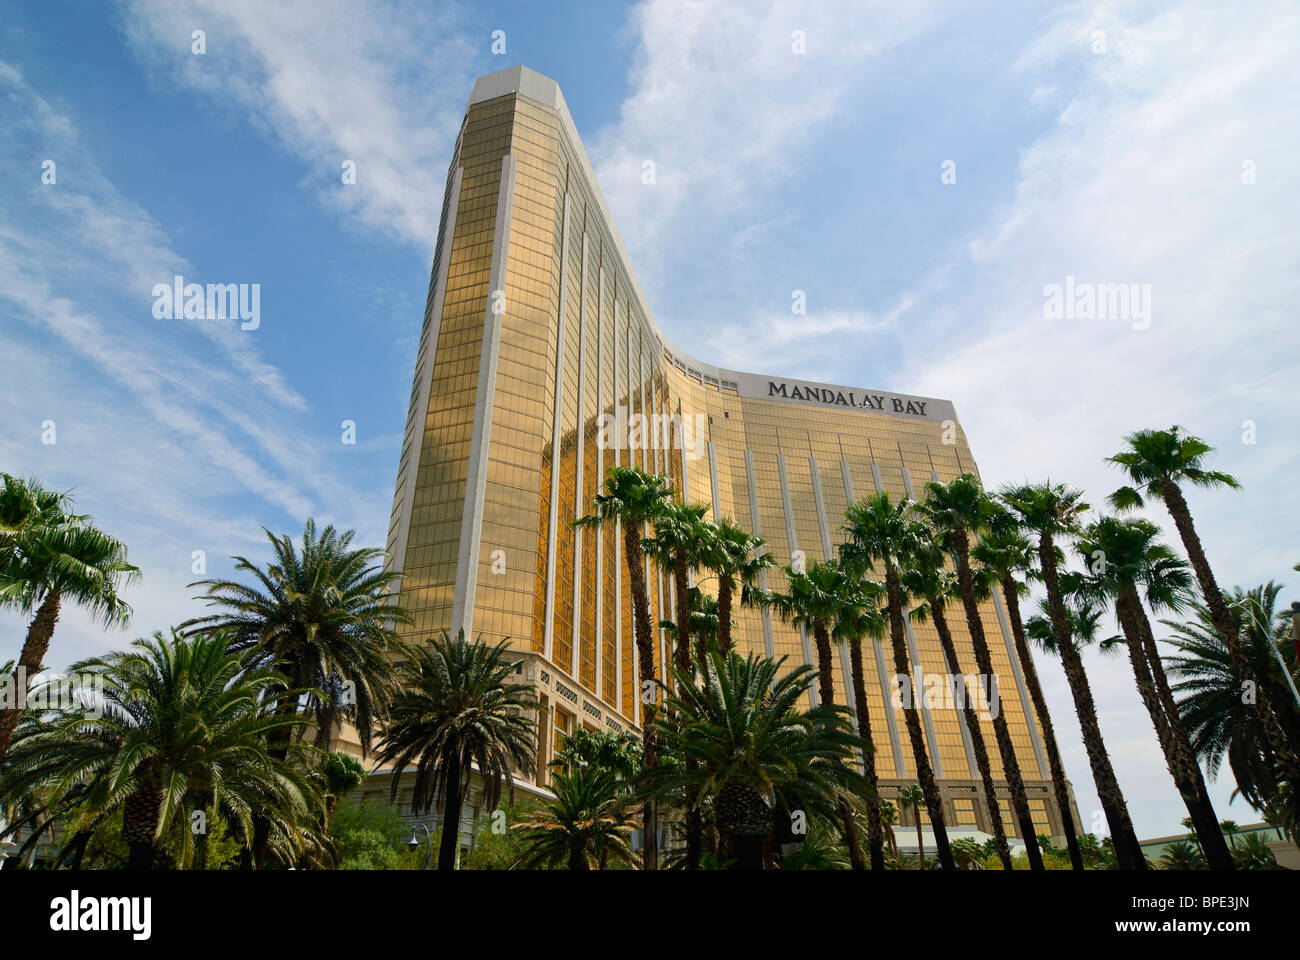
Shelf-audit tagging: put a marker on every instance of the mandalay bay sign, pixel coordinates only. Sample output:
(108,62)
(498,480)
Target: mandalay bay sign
(856,398)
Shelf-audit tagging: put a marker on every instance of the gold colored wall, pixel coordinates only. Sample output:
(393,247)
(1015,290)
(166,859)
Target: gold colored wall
(573,312)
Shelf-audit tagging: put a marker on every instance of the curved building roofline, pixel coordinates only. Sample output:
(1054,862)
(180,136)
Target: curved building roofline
(541,89)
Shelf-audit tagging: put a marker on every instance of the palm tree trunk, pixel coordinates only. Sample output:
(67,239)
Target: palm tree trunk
(30,661)
(1127,850)
(924,772)
(140,826)
(1270,690)
(984,661)
(875,826)
(826,693)
(451,816)
(682,594)
(976,734)
(1210,837)
(646,675)
(577,859)
(1054,764)
(724,616)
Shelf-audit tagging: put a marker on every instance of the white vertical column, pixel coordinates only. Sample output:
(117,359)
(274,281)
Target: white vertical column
(557,437)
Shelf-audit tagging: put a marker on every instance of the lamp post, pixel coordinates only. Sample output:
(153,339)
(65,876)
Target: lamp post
(414,843)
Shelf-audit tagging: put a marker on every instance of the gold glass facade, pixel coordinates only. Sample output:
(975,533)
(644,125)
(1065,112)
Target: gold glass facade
(535,327)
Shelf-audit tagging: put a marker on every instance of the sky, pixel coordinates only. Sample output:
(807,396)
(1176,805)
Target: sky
(923,172)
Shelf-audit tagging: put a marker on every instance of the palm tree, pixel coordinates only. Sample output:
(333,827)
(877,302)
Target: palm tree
(1005,551)
(818,598)
(1181,855)
(1052,511)
(879,531)
(583,826)
(632,498)
(458,709)
(914,797)
(861,619)
(1158,463)
(737,558)
(48,553)
(926,577)
(756,751)
(342,773)
(889,820)
(1218,722)
(676,546)
(324,617)
(170,727)
(1127,555)
(958,511)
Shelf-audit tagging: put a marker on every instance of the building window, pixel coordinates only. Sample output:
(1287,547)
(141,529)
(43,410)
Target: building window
(563,727)
(965,810)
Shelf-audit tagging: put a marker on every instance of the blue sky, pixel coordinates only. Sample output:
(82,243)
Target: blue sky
(1104,142)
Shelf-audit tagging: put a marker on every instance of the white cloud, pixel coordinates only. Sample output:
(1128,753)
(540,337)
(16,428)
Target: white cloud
(1140,181)
(377,83)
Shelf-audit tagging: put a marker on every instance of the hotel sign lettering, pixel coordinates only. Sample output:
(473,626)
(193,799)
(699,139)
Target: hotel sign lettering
(855,398)
(872,401)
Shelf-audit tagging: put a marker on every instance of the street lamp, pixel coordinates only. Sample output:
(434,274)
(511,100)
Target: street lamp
(414,843)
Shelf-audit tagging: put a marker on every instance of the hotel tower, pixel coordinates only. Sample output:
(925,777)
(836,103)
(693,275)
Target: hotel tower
(536,337)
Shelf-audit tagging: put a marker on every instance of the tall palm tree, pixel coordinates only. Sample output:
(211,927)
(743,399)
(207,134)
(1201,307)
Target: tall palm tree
(1131,557)
(676,544)
(1005,551)
(1158,464)
(585,824)
(458,709)
(47,554)
(914,797)
(755,750)
(925,577)
(817,599)
(172,726)
(861,619)
(959,511)
(1210,704)
(1052,511)
(738,558)
(882,534)
(323,616)
(633,499)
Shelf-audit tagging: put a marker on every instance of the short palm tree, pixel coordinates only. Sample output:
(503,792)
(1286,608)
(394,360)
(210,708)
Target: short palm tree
(458,709)
(926,577)
(738,559)
(323,616)
(817,599)
(584,826)
(1158,464)
(49,554)
(883,535)
(1005,551)
(1125,556)
(913,797)
(1052,511)
(1219,723)
(170,727)
(676,544)
(1181,855)
(754,750)
(960,511)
